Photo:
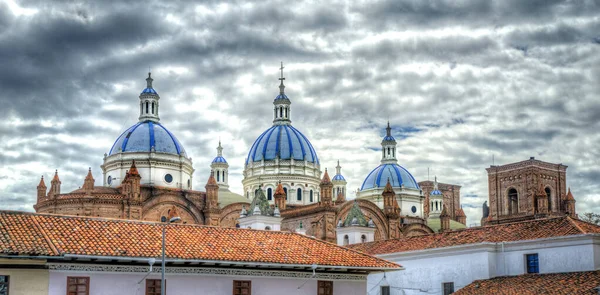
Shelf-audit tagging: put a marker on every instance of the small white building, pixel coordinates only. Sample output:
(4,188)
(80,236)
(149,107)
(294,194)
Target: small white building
(57,255)
(445,262)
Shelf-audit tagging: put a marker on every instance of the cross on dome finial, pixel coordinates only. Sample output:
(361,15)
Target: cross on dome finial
(281,86)
(149,80)
(220,149)
(388,129)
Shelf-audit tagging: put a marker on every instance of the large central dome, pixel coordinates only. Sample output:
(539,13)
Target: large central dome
(285,142)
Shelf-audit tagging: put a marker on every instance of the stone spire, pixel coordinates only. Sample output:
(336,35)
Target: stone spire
(260,204)
(461,216)
(41,189)
(326,189)
(212,212)
(54,186)
(88,183)
(338,168)
(570,204)
(280,197)
(445,220)
(390,204)
(149,102)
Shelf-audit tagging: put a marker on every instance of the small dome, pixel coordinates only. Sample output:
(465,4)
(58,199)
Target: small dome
(149,90)
(142,136)
(397,175)
(219,159)
(338,177)
(389,138)
(281,96)
(284,141)
(436,192)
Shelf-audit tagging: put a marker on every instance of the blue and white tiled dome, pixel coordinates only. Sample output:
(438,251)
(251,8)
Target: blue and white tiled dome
(338,177)
(436,192)
(284,141)
(397,174)
(219,159)
(149,90)
(142,136)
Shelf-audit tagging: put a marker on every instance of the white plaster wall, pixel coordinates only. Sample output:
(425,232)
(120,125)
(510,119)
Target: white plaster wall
(118,283)
(425,271)
(426,275)
(552,258)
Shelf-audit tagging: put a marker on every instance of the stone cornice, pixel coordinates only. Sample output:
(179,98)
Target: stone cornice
(95,268)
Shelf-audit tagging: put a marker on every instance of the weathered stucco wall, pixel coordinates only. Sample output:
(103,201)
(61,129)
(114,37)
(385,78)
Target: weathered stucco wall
(25,281)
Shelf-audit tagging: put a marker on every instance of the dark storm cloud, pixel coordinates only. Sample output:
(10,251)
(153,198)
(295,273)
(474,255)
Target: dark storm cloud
(468,80)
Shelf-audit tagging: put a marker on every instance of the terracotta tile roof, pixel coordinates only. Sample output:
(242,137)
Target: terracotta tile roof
(53,235)
(570,283)
(509,232)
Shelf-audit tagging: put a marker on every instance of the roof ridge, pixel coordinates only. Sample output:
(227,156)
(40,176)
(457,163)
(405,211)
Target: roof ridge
(475,228)
(347,248)
(575,221)
(43,233)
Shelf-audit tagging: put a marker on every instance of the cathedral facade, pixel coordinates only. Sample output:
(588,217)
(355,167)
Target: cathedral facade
(147,173)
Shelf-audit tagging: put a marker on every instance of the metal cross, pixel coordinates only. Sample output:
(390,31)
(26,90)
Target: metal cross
(282,67)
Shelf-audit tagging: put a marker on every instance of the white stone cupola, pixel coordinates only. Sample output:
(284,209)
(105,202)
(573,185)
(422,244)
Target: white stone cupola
(149,102)
(221,168)
(281,110)
(388,145)
(436,201)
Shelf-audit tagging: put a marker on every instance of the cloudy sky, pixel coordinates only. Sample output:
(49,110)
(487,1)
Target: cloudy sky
(461,82)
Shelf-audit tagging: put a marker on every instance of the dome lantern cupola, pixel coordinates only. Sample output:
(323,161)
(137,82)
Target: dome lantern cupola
(388,145)
(281,110)
(149,102)
(436,201)
(221,168)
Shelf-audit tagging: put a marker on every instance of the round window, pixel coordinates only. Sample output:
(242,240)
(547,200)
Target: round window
(109,180)
(413,209)
(169,178)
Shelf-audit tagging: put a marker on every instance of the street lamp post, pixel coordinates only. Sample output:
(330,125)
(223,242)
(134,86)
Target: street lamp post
(162,269)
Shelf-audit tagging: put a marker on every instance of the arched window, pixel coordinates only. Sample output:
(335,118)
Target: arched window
(513,201)
(549,195)
(299,195)
(346,240)
(152,107)
(394,152)
(218,176)
(388,151)
(363,239)
(223,176)
(310,197)
(285,190)
(269,194)
(280,111)
(267,227)
(275,110)
(141,108)
(147,107)
(286,112)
